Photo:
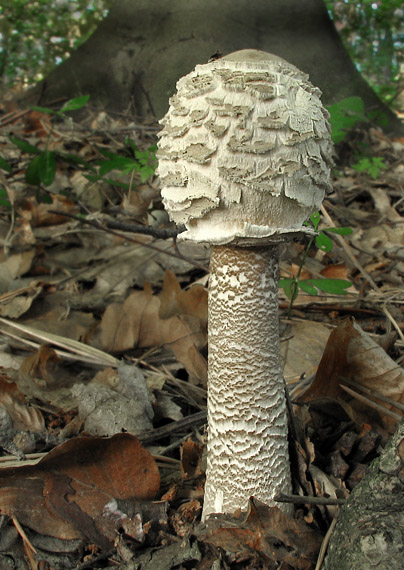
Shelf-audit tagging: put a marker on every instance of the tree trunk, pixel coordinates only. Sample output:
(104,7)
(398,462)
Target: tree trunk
(139,51)
(370,530)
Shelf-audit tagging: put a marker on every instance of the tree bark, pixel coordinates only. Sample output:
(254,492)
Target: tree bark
(139,51)
(370,530)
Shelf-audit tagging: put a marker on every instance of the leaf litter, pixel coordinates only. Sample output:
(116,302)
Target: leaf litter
(103,345)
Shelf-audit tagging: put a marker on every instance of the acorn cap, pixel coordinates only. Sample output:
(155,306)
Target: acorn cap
(245,152)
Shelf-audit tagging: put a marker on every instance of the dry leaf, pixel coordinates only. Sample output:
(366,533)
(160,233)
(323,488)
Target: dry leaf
(115,403)
(14,266)
(16,303)
(337,271)
(290,543)
(299,356)
(24,417)
(174,301)
(191,457)
(137,323)
(66,491)
(39,214)
(353,355)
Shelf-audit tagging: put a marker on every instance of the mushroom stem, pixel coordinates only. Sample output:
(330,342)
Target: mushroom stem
(247,423)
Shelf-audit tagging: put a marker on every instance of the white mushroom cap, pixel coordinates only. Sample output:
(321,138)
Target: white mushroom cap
(245,153)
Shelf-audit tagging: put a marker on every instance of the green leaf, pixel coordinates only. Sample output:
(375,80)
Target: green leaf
(342,231)
(307,287)
(75,104)
(32,172)
(323,242)
(121,163)
(47,167)
(286,285)
(315,219)
(146,172)
(24,146)
(4,200)
(344,115)
(371,166)
(41,169)
(47,110)
(4,165)
(129,142)
(74,159)
(334,286)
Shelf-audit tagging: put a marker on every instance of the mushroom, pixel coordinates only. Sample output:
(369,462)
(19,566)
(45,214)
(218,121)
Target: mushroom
(244,160)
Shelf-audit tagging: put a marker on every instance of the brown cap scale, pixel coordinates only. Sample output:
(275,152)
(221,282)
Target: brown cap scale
(244,159)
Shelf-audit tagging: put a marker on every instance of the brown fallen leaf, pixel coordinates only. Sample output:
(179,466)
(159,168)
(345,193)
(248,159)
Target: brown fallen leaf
(352,355)
(137,322)
(13,304)
(336,271)
(289,543)
(43,376)
(70,488)
(191,457)
(38,214)
(174,301)
(37,123)
(23,416)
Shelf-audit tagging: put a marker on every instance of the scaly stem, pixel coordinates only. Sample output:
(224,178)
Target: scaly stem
(247,423)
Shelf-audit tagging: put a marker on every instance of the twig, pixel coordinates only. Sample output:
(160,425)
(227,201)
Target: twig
(370,403)
(139,229)
(99,226)
(373,393)
(79,350)
(176,444)
(393,322)
(132,228)
(194,420)
(29,548)
(348,251)
(168,460)
(306,500)
(324,544)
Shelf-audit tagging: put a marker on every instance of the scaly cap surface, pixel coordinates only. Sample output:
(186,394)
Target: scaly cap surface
(245,152)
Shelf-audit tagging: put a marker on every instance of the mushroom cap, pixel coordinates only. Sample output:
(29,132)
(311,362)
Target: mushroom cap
(245,152)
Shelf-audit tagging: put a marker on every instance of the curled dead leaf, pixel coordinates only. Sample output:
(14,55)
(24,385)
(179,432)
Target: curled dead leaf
(352,355)
(64,494)
(138,322)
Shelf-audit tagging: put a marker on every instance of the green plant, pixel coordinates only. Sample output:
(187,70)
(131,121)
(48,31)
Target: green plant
(42,167)
(372,166)
(291,285)
(344,116)
(347,114)
(4,200)
(132,160)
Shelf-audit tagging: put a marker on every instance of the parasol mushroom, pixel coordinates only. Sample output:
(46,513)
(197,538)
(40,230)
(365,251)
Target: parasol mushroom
(244,160)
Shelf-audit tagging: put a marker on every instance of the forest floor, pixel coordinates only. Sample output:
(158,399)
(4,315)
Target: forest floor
(103,346)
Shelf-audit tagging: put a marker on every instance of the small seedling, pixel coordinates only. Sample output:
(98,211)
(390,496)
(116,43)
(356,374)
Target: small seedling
(371,166)
(344,116)
(134,160)
(41,169)
(291,285)
(347,114)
